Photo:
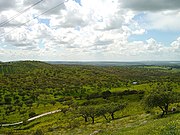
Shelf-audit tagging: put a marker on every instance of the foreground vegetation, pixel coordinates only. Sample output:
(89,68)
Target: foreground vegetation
(92,99)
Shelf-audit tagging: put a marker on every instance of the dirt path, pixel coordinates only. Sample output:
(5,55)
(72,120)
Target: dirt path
(30,119)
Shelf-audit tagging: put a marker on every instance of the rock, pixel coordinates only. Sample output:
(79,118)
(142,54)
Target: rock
(96,132)
(173,109)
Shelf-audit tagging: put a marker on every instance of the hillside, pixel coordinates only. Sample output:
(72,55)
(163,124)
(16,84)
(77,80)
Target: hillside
(21,66)
(31,88)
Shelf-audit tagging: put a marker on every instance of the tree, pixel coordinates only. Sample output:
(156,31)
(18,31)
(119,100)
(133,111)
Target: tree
(161,96)
(65,109)
(29,103)
(102,110)
(53,102)
(32,114)
(43,99)
(114,107)
(84,113)
(106,94)
(88,111)
(7,99)
(92,113)
(80,92)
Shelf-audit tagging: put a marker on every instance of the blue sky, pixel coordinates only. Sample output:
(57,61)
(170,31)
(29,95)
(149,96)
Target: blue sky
(78,1)
(45,21)
(133,30)
(165,37)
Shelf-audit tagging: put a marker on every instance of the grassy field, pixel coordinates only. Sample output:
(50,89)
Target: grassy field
(131,121)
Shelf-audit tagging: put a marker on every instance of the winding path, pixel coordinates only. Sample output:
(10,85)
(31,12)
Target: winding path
(30,119)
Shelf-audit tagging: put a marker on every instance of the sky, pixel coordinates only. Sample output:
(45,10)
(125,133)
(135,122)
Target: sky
(90,30)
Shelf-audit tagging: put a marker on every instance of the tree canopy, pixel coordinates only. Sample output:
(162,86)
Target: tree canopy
(162,96)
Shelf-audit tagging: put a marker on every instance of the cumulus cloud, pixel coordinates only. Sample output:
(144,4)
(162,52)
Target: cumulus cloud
(176,45)
(92,30)
(7,4)
(7,21)
(151,5)
(153,45)
(73,16)
(165,20)
(46,5)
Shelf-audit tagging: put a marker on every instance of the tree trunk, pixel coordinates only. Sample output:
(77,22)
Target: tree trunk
(162,110)
(166,108)
(80,97)
(105,117)
(162,114)
(92,120)
(112,115)
(85,118)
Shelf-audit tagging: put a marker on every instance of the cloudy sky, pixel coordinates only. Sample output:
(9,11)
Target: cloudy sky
(97,30)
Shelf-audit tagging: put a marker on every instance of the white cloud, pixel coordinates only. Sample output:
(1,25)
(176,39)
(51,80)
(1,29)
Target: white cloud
(153,45)
(8,19)
(176,45)
(6,4)
(71,17)
(94,30)
(165,20)
(1,51)
(151,5)
(46,5)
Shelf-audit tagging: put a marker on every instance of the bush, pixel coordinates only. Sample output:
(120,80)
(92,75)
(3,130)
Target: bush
(106,94)
(129,92)
(32,114)
(39,132)
(53,102)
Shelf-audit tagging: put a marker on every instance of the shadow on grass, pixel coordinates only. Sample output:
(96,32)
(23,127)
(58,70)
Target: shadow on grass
(28,126)
(121,117)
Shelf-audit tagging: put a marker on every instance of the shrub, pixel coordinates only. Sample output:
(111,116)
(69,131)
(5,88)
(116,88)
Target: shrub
(39,132)
(32,114)
(106,94)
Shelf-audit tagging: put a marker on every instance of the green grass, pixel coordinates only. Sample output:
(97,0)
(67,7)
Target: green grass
(16,116)
(131,121)
(142,124)
(132,87)
(164,126)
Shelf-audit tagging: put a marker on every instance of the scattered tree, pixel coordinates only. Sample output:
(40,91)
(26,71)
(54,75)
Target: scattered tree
(114,107)
(161,96)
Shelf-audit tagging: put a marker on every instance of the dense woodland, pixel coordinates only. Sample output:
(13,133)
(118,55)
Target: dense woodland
(84,94)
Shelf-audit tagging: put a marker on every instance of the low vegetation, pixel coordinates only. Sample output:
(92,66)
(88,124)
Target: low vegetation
(92,99)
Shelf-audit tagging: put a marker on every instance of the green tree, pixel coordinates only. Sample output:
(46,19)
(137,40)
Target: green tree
(114,107)
(106,94)
(7,99)
(88,111)
(53,102)
(64,109)
(83,111)
(92,112)
(102,111)
(161,96)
